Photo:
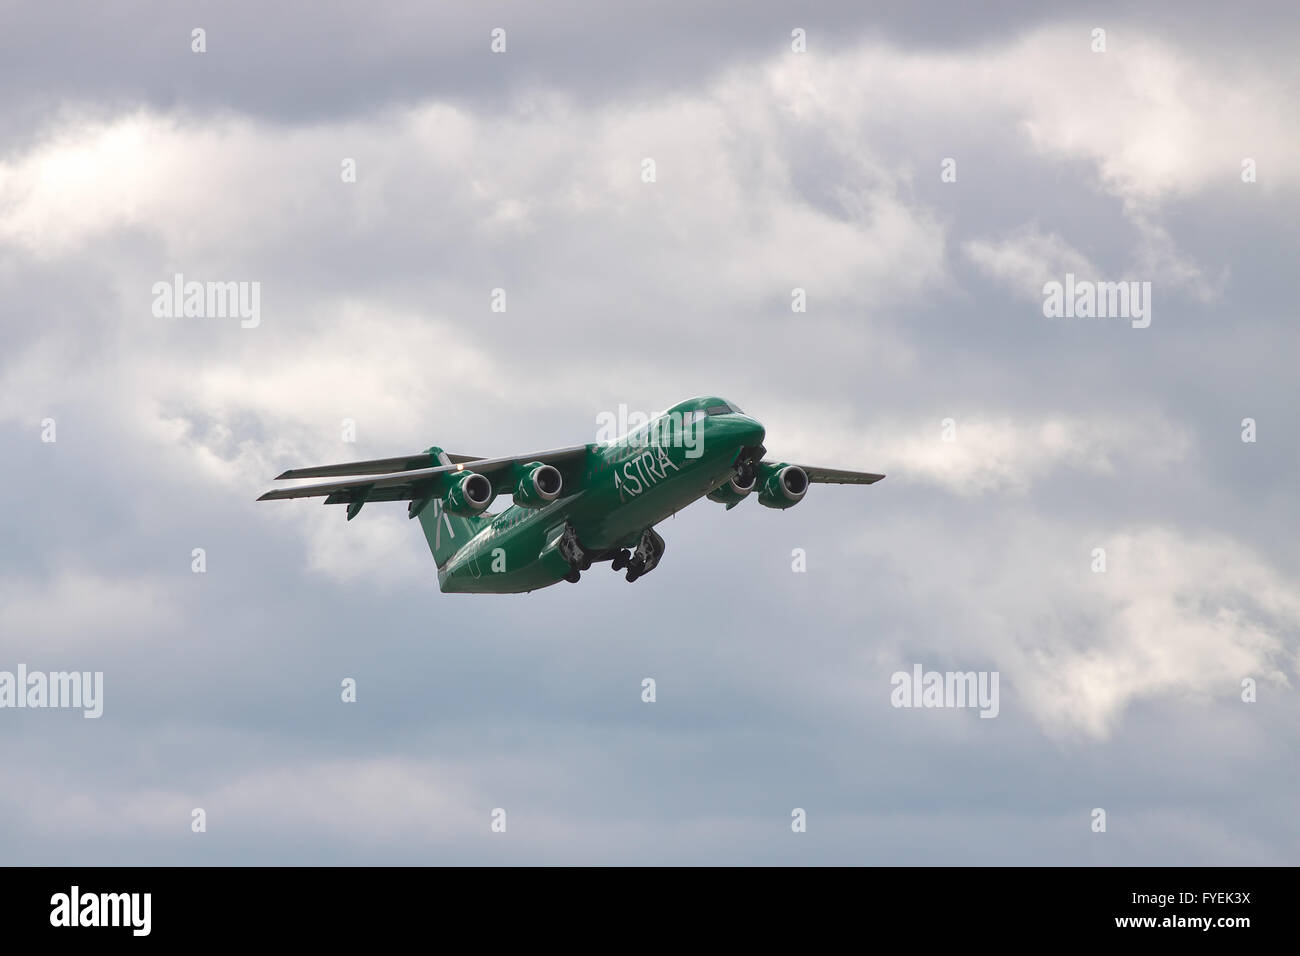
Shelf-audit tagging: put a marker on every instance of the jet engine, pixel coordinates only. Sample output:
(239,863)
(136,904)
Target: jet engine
(468,494)
(734,491)
(538,485)
(783,486)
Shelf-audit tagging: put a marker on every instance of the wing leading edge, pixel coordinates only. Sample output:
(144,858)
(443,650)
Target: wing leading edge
(378,466)
(420,483)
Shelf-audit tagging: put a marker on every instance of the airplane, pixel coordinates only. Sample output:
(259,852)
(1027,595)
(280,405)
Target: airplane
(573,506)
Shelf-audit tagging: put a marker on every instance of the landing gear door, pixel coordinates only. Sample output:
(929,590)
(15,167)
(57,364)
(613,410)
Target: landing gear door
(553,537)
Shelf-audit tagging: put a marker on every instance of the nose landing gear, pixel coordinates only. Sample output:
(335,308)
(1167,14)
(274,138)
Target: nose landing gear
(747,465)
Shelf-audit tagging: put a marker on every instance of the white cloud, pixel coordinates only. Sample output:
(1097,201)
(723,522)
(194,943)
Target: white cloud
(1028,259)
(991,453)
(1174,614)
(81,610)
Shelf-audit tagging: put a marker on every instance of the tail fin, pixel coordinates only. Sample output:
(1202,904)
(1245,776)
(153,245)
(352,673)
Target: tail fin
(446,533)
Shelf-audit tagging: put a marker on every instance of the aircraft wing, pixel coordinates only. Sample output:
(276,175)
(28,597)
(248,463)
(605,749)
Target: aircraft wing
(417,484)
(835,476)
(379,466)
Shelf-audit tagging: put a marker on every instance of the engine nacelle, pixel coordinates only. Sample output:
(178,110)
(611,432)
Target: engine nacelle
(783,486)
(469,493)
(733,492)
(538,485)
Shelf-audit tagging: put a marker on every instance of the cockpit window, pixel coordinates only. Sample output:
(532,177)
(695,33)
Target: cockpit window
(719,410)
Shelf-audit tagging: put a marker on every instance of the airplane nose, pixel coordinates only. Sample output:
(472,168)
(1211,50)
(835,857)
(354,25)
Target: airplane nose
(752,432)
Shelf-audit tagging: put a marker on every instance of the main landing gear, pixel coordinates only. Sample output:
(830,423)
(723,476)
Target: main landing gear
(642,560)
(571,550)
(649,550)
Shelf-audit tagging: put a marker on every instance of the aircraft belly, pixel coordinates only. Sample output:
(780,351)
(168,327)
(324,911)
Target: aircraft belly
(508,561)
(623,521)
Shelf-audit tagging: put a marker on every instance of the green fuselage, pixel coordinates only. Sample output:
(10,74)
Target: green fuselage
(628,486)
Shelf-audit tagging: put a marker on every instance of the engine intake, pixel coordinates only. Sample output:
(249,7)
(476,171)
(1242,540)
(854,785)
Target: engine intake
(468,495)
(538,485)
(734,491)
(783,486)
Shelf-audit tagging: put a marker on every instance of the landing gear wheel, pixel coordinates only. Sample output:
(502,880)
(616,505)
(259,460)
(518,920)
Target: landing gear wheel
(635,568)
(648,552)
(573,575)
(584,564)
(747,465)
(620,559)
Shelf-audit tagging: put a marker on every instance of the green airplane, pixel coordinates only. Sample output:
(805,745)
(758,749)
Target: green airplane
(572,506)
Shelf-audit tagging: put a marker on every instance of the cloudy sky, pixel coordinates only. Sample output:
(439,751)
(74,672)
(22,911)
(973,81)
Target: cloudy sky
(919,173)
